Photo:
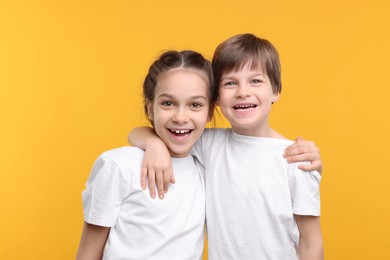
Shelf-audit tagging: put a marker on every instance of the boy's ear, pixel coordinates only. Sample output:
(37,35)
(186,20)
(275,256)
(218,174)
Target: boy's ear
(276,97)
(217,101)
(149,107)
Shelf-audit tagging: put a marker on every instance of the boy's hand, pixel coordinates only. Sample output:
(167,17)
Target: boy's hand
(303,150)
(157,167)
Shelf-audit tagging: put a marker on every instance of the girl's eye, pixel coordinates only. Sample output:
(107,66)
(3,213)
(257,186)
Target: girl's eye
(196,105)
(167,103)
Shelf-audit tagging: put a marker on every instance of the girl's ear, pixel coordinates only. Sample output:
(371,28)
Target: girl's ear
(209,117)
(149,107)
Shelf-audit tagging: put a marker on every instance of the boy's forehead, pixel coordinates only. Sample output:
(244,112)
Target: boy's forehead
(251,65)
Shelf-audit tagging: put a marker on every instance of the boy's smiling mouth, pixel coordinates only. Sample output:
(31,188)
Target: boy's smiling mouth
(244,107)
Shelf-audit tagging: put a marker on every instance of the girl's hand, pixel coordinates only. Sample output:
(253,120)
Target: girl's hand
(157,168)
(303,150)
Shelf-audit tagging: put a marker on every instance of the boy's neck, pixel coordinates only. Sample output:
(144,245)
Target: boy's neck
(267,132)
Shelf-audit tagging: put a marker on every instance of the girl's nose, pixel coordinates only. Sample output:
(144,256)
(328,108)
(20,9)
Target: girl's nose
(180,116)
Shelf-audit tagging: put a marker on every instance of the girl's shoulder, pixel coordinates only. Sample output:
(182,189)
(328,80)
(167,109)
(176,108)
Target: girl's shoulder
(125,159)
(123,154)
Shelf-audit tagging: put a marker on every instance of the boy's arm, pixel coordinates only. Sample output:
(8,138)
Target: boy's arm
(93,240)
(303,150)
(310,240)
(156,164)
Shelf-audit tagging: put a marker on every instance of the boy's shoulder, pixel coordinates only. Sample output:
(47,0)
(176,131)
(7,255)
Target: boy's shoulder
(213,136)
(217,133)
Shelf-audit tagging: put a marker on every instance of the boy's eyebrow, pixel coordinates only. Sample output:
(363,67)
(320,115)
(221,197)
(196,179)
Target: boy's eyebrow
(255,73)
(173,97)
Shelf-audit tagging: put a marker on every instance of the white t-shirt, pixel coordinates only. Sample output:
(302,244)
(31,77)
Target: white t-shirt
(252,194)
(142,227)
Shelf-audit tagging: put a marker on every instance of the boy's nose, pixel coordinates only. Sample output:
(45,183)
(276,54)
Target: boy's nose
(243,91)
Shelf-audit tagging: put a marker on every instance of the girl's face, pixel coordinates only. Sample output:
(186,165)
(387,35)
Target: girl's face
(180,109)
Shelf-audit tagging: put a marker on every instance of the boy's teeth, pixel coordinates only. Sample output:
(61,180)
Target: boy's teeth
(244,106)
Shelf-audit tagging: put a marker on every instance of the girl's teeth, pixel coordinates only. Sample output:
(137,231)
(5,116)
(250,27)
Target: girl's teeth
(180,131)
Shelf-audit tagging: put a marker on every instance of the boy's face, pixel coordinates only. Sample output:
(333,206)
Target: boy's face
(245,99)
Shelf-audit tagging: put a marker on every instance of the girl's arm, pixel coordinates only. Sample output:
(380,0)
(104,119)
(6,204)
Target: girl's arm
(93,240)
(310,240)
(156,164)
(303,150)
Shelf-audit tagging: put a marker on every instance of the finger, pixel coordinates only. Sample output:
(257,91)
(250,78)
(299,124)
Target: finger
(299,141)
(160,184)
(152,183)
(311,157)
(309,150)
(304,167)
(172,176)
(167,178)
(295,145)
(315,166)
(144,173)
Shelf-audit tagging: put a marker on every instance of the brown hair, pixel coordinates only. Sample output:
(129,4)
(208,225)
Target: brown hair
(234,53)
(174,59)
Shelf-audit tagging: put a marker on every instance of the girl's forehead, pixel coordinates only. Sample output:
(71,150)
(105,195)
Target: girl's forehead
(181,70)
(182,80)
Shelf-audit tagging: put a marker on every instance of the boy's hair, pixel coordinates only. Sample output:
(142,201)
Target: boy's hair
(169,60)
(236,52)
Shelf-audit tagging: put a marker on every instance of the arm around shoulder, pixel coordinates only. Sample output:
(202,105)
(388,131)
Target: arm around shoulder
(303,150)
(140,136)
(310,240)
(156,165)
(93,240)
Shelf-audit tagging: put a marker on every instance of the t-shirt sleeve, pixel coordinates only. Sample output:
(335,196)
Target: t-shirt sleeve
(305,191)
(103,195)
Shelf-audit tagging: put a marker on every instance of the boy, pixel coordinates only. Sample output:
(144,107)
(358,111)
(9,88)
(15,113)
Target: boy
(258,206)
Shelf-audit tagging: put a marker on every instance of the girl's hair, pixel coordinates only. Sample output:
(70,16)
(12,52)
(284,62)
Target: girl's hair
(234,53)
(173,60)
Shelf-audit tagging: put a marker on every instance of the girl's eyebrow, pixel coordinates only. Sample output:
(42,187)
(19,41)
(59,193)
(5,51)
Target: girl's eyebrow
(166,95)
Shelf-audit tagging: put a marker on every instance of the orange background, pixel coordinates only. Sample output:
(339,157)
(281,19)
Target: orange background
(70,88)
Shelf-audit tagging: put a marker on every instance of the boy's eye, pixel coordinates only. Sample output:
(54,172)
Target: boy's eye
(256,81)
(229,83)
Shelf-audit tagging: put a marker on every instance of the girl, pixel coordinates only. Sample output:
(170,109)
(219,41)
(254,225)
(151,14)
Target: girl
(121,220)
